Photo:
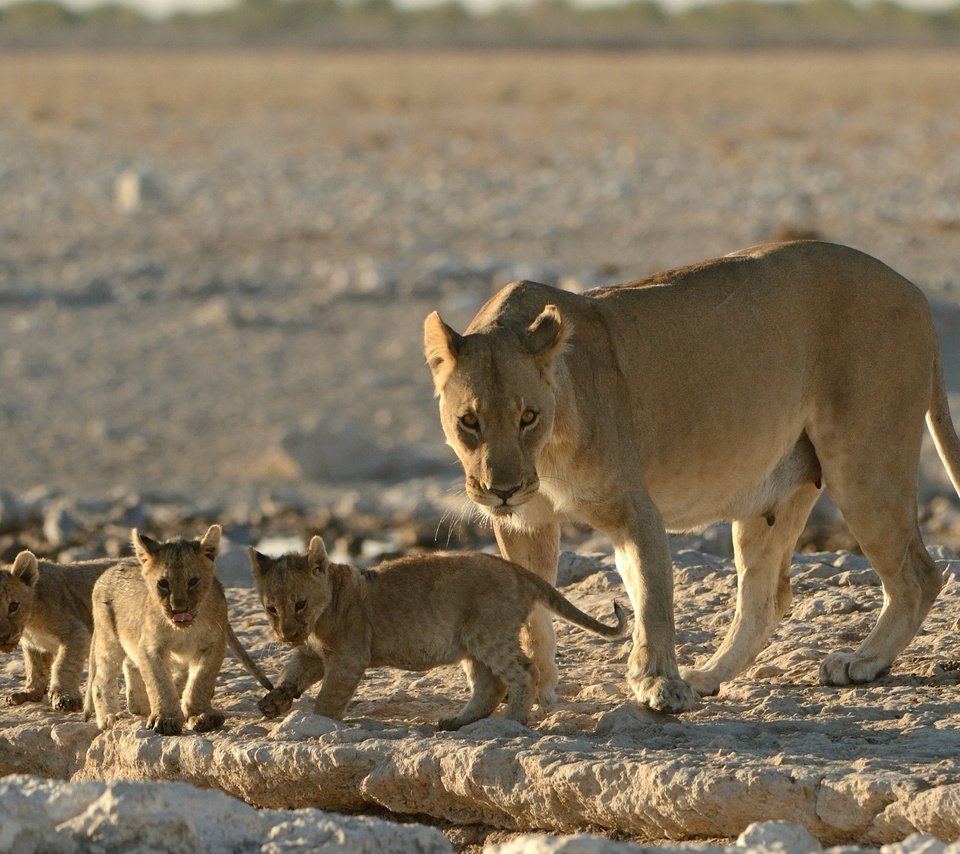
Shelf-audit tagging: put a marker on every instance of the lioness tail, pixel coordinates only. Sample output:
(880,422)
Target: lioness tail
(941,425)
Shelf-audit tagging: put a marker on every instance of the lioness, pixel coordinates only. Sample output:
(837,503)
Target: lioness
(163,618)
(731,389)
(45,608)
(415,613)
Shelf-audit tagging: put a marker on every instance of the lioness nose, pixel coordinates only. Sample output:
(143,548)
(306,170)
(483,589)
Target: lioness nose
(504,494)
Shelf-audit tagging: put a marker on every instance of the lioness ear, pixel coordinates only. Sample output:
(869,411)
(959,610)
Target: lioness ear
(210,544)
(317,555)
(441,346)
(547,334)
(143,547)
(26,568)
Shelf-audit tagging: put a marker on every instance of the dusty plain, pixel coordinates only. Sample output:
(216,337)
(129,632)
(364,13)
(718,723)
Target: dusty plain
(214,269)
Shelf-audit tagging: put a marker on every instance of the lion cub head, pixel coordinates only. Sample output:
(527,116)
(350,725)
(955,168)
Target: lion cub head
(497,403)
(17,585)
(178,573)
(295,590)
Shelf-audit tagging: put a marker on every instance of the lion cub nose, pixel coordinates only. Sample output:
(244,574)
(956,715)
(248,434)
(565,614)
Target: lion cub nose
(504,494)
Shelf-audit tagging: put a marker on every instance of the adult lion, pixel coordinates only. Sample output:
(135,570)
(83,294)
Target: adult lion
(731,389)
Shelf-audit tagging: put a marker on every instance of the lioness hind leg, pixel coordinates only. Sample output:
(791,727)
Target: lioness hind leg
(762,552)
(486,693)
(872,478)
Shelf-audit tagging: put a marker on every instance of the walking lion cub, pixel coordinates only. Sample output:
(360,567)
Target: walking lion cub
(163,618)
(45,609)
(414,613)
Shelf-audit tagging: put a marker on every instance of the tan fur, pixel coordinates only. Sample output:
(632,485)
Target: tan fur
(413,613)
(163,618)
(727,390)
(45,609)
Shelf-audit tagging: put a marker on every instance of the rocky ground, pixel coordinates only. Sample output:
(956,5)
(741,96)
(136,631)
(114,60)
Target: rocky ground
(213,274)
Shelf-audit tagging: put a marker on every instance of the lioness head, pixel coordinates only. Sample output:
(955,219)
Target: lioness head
(295,589)
(17,586)
(178,573)
(497,403)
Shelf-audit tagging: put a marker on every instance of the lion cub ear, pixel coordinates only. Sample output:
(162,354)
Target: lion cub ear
(260,563)
(441,346)
(210,543)
(317,555)
(143,547)
(547,334)
(26,568)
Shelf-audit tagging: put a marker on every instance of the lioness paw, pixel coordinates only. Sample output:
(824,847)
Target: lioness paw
(705,683)
(665,695)
(848,668)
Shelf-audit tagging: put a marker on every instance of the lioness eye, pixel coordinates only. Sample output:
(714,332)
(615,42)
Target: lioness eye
(14,607)
(163,585)
(529,417)
(193,582)
(301,605)
(271,610)
(470,421)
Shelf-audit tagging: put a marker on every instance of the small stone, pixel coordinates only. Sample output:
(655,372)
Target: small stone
(780,836)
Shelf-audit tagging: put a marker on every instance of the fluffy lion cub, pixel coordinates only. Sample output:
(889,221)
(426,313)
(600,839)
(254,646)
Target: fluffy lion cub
(45,609)
(163,618)
(414,613)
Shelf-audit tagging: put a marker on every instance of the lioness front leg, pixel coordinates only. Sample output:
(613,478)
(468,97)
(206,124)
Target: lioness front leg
(643,560)
(538,551)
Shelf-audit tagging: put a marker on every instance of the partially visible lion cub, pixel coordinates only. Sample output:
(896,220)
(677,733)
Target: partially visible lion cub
(163,618)
(45,608)
(414,613)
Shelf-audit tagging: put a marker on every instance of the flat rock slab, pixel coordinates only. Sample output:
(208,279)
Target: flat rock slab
(867,765)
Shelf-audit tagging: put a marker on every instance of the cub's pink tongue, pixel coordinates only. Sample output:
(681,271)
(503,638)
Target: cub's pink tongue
(182,617)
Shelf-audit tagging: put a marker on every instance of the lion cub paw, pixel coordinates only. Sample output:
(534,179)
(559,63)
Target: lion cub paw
(207,721)
(165,724)
(277,702)
(18,698)
(848,668)
(65,701)
(705,683)
(665,695)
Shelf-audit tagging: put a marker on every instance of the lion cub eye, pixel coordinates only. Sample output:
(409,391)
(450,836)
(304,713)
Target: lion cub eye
(470,421)
(271,611)
(529,417)
(14,607)
(301,605)
(192,583)
(163,585)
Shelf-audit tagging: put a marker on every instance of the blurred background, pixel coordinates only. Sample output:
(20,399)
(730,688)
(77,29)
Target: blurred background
(222,225)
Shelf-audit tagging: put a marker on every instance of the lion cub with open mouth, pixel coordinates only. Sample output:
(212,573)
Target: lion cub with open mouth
(414,613)
(163,618)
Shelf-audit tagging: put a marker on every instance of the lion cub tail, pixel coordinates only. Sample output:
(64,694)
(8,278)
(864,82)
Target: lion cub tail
(941,425)
(561,606)
(244,657)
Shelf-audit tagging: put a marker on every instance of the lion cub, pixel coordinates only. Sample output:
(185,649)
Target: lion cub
(163,618)
(45,608)
(414,613)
